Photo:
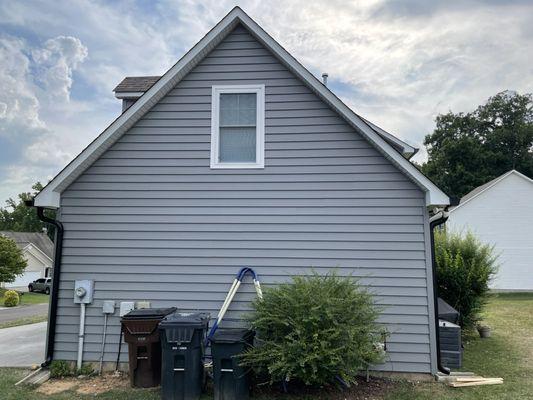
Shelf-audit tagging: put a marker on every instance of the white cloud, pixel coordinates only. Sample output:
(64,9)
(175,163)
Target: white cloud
(56,60)
(19,105)
(32,79)
(401,63)
(397,63)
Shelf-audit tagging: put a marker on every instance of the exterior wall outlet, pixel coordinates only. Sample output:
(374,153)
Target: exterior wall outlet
(108,307)
(126,307)
(83,291)
(143,304)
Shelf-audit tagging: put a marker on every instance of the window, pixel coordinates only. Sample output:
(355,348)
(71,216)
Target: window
(238,126)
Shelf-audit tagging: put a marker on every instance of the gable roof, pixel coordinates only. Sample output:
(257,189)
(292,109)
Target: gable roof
(483,188)
(50,196)
(133,87)
(38,239)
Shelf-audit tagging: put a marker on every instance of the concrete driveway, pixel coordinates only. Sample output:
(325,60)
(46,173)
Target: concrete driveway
(22,346)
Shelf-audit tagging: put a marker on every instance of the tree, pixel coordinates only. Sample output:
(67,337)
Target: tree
(20,218)
(469,149)
(12,263)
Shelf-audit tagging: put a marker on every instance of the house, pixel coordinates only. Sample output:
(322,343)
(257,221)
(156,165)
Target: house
(239,156)
(500,213)
(37,250)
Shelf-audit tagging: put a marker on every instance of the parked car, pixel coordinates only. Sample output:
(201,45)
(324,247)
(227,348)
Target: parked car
(41,285)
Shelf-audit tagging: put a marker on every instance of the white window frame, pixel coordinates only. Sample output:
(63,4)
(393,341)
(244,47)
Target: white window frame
(217,90)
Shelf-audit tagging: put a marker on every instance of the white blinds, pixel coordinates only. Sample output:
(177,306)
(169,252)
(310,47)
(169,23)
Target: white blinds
(238,130)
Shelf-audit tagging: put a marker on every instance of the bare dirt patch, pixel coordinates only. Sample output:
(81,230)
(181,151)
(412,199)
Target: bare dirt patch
(91,386)
(102,384)
(55,386)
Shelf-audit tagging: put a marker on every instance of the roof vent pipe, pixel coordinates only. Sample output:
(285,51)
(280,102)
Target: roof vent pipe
(325,78)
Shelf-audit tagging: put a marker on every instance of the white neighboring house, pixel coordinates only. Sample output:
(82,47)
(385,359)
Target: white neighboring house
(38,250)
(500,212)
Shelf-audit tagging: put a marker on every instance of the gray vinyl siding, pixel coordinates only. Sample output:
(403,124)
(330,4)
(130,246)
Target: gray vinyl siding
(149,220)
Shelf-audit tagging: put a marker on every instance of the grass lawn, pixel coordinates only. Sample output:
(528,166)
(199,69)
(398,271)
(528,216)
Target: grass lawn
(27,298)
(508,354)
(24,321)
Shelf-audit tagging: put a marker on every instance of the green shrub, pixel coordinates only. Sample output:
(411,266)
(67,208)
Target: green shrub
(86,369)
(315,329)
(60,369)
(11,298)
(465,267)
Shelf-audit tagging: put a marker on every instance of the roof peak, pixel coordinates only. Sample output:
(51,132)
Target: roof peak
(486,186)
(50,195)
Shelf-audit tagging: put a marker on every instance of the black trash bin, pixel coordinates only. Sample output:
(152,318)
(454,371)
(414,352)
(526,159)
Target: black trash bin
(230,379)
(182,338)
(144,347)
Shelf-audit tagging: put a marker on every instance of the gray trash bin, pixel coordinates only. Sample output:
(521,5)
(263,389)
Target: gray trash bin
(451,351)
(182,343)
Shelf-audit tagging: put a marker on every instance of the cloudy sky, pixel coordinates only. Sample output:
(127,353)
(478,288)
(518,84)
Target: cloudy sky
(397,63)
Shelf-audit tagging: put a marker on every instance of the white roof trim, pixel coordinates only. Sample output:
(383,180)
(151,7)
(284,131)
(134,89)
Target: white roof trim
(128,95)
(495,182)
(50,196)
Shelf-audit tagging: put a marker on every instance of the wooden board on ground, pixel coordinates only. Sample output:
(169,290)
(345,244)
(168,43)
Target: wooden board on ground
(475,381)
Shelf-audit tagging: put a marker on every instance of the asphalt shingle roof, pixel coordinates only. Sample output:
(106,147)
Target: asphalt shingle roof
(37,239)
(136,84)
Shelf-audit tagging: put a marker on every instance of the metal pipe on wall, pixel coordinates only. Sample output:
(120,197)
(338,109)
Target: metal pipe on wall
(81,337)
(103,345)
(54,297)
(438,219)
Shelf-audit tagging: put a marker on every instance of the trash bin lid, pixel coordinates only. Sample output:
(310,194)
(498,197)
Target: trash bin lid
(183,319)
(233,336)
(447,312)
(148,313)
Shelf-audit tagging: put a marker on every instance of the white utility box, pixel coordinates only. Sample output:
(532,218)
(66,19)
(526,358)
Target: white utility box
(143,304)
(108,307)
(126,307)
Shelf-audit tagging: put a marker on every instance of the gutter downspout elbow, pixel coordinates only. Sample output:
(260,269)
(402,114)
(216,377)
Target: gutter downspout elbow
(438,219)
(54,296)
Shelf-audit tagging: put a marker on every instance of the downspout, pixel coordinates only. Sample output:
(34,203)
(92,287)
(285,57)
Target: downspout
(438,219)
(52,318)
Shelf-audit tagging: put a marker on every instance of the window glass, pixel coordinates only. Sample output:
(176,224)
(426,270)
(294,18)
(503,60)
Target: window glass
(237,144)
(238,109)
(237,127)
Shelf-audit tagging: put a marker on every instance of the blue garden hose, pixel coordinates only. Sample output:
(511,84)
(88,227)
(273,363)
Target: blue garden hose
(229,297)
